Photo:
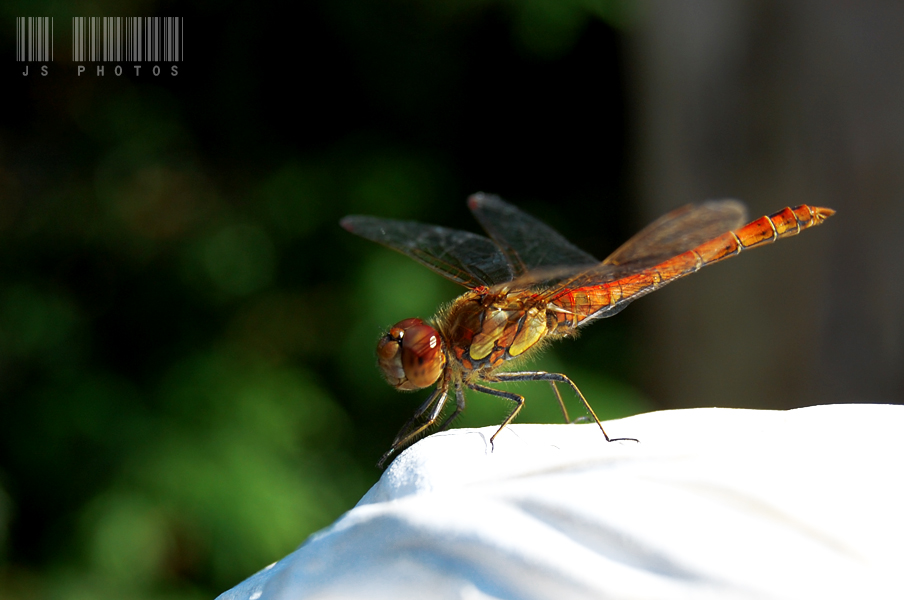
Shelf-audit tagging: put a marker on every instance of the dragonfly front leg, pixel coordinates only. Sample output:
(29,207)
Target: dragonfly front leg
(459,406)
(411,429)
(552,378)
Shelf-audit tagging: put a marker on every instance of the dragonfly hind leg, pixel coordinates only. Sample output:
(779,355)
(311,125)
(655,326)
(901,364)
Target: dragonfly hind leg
(555,390)
(568,420)
(553,378)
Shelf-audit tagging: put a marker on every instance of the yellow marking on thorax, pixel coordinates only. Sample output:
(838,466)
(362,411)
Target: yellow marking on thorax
(532,330)
(494,323)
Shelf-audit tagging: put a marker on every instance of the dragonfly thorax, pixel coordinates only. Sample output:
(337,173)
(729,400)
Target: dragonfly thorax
(411,355)
(484,330)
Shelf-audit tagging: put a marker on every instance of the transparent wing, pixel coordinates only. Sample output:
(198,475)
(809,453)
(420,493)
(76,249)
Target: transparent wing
(528,254)
(681,230)
(527,243)
(668,236)
(466,258)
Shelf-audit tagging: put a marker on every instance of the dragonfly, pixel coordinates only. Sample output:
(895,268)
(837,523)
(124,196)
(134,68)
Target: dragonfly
(527,286)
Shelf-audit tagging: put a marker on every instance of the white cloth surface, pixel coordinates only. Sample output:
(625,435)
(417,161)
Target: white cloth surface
(712,503)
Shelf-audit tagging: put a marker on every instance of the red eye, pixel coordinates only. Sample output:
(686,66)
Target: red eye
(411,355)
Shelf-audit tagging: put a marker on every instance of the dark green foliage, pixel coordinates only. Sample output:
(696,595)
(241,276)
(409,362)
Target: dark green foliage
(187,380)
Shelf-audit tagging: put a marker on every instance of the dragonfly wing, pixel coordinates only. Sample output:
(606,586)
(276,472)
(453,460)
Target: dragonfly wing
(528,244)
(466,258)
(681,230)
(672,234)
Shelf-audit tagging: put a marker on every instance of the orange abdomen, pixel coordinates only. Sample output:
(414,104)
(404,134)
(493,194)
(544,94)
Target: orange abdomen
(573,307)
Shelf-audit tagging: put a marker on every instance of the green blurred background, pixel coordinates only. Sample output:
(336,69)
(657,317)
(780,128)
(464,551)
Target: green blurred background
(187,379)
(187,337)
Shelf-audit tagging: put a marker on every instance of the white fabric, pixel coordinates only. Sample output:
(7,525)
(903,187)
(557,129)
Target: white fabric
(712,503)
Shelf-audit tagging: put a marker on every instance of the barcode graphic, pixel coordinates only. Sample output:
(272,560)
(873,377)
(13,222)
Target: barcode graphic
(34,39)
(127,39)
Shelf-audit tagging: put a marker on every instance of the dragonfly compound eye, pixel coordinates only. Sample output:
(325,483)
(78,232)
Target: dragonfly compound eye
(411,355)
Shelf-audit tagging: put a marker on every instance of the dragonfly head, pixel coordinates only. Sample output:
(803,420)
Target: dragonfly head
(411,355)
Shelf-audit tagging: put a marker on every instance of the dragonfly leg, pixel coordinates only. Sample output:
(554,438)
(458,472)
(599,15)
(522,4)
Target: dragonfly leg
(553,378)
(403,432)
(412,429)
(518,400)
(569,420)
(555,390)
(459,406)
